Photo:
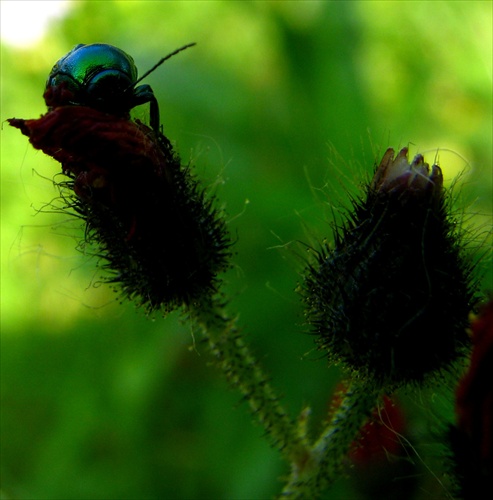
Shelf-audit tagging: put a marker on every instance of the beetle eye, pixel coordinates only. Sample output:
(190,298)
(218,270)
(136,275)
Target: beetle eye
(64,79)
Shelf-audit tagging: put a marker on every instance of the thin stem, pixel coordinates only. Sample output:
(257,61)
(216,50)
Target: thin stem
(326,458)
(314,466)
(233,356)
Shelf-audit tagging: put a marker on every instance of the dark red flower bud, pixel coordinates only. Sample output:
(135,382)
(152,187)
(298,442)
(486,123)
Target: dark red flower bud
(390,298)
(472,439)
(380,456)
(163,241)
(380,437)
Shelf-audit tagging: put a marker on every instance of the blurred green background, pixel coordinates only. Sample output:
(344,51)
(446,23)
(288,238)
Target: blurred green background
(283,107)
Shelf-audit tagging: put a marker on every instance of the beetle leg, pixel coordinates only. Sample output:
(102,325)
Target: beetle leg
(154,112)
(142,95)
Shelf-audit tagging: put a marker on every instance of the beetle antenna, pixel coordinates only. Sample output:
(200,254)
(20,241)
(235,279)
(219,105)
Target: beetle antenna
(161,62)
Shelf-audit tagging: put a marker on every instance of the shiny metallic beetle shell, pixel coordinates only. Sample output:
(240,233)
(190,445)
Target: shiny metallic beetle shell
(97,75)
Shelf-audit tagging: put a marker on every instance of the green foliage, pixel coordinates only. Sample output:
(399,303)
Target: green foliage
(99,402)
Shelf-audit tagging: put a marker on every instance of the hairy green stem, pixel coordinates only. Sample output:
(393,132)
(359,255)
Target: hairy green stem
(314,466)
(327,455)
(244,373)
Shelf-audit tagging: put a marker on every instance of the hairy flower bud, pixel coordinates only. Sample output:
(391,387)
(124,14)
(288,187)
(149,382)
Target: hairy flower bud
(161,238)
(390,298)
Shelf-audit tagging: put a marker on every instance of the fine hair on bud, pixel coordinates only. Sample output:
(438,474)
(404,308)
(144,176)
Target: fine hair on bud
(389,298)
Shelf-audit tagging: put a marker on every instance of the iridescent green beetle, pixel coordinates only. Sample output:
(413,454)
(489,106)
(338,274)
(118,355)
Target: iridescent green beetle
(103,77)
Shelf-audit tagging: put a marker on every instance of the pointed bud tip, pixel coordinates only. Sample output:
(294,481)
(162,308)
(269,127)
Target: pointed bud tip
(397,175)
